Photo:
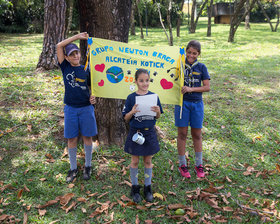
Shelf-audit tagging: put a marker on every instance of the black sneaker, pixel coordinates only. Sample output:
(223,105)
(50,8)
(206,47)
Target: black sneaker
(135,193)
(148,193)
(87,172)
(72,174)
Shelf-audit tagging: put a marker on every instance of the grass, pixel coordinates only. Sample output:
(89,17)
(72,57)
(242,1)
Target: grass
(241,133)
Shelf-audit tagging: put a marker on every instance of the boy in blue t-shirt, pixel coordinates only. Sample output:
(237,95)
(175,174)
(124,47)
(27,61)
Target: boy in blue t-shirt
(78,111)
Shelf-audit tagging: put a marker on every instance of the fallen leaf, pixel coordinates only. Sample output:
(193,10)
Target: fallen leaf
(25,218)
(66,198)
(175,206)
(71,185)
(42,179)
(84,210)
(70,207)
(42,212)
(157,195)
(92,195)
(3,217)
(125,198)
(26,188)
(137,221)
(81,199)
(100,196)
(228,209)
(172,193)
(19,194)
(51,202)
(55,221)
(278,167)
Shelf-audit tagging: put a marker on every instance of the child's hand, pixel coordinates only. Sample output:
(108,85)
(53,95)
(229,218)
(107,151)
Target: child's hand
(83,36)
(186,89)
(155,109)
(92,99)
(134,109)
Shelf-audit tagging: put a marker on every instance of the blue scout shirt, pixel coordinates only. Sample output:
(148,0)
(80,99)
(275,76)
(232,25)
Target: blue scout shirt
(193,78)
(76,82)
(142,121)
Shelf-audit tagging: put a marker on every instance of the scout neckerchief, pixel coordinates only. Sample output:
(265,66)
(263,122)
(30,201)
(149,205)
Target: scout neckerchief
(189,79)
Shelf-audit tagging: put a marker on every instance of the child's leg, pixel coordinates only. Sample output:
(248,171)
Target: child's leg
(88,150)
(197,142)
(72,152)
(181,144)
(135,189)
(148,170)
(134,169)
(148,178)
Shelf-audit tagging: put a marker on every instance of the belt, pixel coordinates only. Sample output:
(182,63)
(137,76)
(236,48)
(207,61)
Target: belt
(142,129)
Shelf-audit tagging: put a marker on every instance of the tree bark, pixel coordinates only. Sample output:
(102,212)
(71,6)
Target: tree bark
(132,19)
(108,20)
(210,9)
(247,17)
(54,32)
(168,18)
(236,19)
(140,18)
(179,20)
(69,16)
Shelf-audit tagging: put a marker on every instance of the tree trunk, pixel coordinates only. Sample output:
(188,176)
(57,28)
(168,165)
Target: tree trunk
(192,26)
(194,23)
(161,22)
(54,32)
(265,14)
(69,16)
(140,18)
(132,19)
(108,20)
(179,20)
(236,19)
(168,18)
(210,8)
(247,18)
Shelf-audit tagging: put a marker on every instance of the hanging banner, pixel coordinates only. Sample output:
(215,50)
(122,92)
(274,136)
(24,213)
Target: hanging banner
(113,65)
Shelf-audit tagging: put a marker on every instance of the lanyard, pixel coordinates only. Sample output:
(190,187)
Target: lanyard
(189,76)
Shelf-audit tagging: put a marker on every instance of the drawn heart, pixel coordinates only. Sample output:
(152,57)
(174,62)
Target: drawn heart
(101,83)
(165,84)
(99,68)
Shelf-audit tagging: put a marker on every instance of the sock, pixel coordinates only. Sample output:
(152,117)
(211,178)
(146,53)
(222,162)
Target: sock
(198,158)
(88,155)
(73,158)
(134,176)
(148,176)
(182,160)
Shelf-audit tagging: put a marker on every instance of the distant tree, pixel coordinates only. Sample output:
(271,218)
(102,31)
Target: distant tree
(193,19)
(247,17)
(140,17)
(54,32)
(69,16)
(267,17)
(209,14)
(238,17)
(132,18)
(180,17)
(168,18)
(161,20)
(107,20)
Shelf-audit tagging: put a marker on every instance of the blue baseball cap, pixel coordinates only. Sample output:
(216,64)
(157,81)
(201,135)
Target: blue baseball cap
(69,48)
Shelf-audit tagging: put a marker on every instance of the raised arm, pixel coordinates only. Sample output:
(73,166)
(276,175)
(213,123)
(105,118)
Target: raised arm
(60,46)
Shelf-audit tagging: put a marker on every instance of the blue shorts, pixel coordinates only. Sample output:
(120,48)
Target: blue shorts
(192,114)
(81,119)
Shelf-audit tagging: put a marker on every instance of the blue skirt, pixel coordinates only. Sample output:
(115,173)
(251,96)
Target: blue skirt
(150,146)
